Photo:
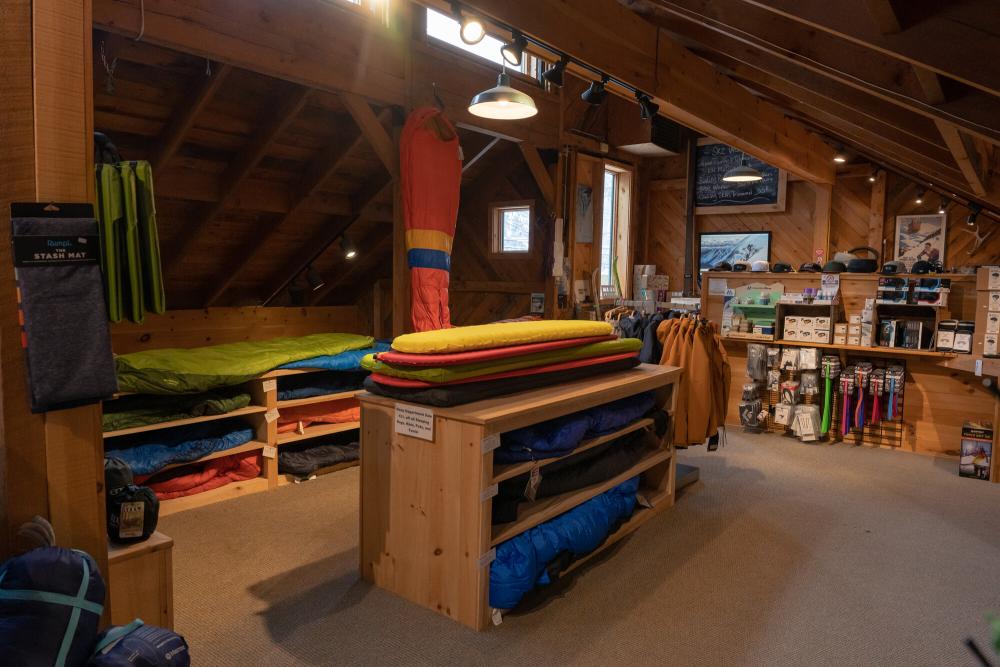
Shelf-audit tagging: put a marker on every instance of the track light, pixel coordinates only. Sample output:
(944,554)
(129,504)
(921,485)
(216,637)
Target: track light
(647,107)
(513,51)
(920,196)
(554,74)
(596,93)
(840,157)
(873,176)
(350,250)
(943,206)
(974,210)
(502,102)
(314,279)
(471,28)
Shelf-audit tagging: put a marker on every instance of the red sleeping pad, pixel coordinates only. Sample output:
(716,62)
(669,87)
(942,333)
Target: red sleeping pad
(548,368)
(189,480)
(492,354)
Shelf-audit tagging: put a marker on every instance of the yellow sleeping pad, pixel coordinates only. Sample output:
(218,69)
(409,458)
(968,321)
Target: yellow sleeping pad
(501,334)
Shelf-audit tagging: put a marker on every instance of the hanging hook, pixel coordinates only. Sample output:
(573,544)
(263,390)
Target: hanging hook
(142,20)
(208,67)
(109,83)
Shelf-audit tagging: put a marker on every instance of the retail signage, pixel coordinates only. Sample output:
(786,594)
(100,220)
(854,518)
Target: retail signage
(415,421)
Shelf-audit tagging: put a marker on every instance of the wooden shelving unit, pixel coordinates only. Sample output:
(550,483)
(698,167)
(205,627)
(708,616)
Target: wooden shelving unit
(312,400)
(315,432)
(426,506)
(861,349)
(242,412)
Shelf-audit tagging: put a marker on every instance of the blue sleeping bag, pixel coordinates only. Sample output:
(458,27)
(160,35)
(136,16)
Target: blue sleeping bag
(521,561)
(147,453)
(345,361)
(560,436)
(139,645)
(51,601)
(319,384)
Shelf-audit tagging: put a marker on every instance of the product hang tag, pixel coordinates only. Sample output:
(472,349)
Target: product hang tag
(130,519)
(270,452)
(534,479)
(55,250)
(496,617)
(271,415)
(269,385)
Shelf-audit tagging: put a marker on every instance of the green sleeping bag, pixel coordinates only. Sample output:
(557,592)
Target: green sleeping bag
(188,371)
(140,410)
(109,215)
(130,255)
(465,371)
(149,240)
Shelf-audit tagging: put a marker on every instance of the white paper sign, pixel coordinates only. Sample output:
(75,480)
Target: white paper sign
(269,385)
(994,300)
(271,415)
(994,279)
(415,421)
(270,452)
(805,424)
(717,286)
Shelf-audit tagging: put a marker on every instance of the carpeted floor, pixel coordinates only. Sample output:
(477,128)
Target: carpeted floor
(783,554)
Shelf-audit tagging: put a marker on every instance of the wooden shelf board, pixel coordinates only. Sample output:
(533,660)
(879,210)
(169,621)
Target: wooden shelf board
(760,276)
(744,337)
(640,516)
(538,512)
(316,431)
(282,372)
(889,351)
(249,410)
(227,492)
(253,445)
(285,478)
(291,403)
(506,413)
(503,472)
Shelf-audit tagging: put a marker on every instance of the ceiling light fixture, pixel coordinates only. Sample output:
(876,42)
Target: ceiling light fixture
(920,196)
(742,173)
(874,175)
(839,157)
(943,206)
(513,51)
(974,210)
(503,102)
(597,92)
(471,28)
(314,279)
(350,250)
(647,107)
(554,74)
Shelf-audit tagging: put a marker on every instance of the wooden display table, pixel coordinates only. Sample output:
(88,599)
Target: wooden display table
(426,505)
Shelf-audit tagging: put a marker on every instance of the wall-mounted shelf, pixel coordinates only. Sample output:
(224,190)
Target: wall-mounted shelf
(883,351)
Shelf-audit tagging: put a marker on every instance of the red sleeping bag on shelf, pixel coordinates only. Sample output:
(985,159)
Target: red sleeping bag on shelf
(330,412)
(189,480)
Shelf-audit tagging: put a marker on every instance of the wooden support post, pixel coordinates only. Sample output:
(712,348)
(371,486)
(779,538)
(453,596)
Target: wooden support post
(373,131)
(994,460)
(400,269)
(876,215)
(690,235)
(821,221)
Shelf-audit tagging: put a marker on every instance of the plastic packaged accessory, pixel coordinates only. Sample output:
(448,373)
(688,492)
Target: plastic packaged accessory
(809,383)
(757,362)
(773,357)
(808,358)
(790,359)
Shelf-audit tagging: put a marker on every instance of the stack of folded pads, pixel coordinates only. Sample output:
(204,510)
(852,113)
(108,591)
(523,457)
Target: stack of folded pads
(464,364)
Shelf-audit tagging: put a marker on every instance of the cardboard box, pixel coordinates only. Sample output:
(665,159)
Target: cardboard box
(840,328)
(821,322)
(790,334)
(854,329)
(854,340)
(821,335)
(854,319)
(977,450)
(791,321)
(840,339)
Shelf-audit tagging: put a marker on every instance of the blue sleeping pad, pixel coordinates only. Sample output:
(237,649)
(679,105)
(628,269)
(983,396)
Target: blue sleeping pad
(521,561)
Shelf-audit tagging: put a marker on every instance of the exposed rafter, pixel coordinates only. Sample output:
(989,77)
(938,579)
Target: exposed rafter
(539,173)
(967,157)
(373,130)
(176,130)
(241,166)
(361,272)
(480,155)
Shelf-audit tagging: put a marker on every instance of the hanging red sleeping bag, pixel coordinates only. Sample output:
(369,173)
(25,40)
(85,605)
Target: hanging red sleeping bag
(431,177)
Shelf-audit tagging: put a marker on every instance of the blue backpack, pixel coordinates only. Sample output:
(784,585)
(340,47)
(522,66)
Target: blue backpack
(138,645)
(51,601)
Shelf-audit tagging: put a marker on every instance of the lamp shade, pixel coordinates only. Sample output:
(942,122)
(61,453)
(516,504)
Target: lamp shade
(742,174)
(502,102)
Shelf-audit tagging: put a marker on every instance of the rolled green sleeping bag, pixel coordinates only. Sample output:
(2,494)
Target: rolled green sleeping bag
(149,241)
(130,253)
(109,215)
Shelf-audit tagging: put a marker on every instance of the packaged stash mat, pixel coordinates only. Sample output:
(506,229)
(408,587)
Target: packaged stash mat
(61,299)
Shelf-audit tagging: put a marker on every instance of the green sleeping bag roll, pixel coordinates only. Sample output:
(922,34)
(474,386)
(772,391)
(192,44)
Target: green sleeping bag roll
(130,252)
(109,215)
(149,240)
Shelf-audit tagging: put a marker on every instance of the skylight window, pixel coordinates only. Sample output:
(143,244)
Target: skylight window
(446,29)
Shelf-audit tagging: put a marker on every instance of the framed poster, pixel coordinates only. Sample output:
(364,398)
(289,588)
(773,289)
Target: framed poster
(715,247)
(920,237)
(714,195)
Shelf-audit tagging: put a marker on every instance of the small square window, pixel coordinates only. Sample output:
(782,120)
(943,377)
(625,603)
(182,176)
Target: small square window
(511,227)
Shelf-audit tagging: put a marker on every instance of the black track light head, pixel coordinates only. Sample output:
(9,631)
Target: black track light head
(513,51)
(314,279)
(596,94)
(350,250)
(555,74)
(471,28)
(974,210)
(920,196)
(647,107)
(943,206)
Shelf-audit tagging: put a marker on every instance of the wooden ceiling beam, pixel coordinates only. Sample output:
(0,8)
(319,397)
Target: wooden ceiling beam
(176,130)
(609,37)
(373,131)
(481,154)
(844,61)
(319,170)
(967,158)
(541,175)
(241,166)
(958,40)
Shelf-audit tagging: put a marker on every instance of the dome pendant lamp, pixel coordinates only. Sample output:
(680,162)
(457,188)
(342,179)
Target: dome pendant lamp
(502,102)
(743,173)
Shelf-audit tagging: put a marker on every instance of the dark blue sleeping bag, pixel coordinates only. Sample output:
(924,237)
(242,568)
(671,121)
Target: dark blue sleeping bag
(138,645)
(521,561)
(51,601)
(149,452)
(560,436)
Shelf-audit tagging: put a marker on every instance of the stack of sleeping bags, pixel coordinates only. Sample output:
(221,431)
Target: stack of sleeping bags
(149,452)
(136,410)
(303,459)
(465,364)
(190,480)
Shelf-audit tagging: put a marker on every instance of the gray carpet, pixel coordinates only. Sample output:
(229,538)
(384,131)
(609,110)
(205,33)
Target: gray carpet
(783,554)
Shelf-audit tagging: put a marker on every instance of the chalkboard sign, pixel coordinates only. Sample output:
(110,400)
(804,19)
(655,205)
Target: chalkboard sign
(713,195)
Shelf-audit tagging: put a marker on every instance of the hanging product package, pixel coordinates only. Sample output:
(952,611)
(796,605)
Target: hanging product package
(61,301)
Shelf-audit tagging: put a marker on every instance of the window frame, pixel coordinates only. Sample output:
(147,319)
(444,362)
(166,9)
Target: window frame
(496,228)
(622,235)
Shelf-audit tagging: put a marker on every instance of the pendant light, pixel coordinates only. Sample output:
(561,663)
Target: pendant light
(743,173)
(503,102)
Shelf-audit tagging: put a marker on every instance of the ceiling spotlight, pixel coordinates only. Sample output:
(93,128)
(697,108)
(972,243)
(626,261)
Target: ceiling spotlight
(596,93)
(920,196)
(472,29)
(839,157)
(314,279)
(943,206)
(350,250)
(974,210)
(874,175)
(502,102)
(554,74)
(647,107)
(742,173)
(513,51)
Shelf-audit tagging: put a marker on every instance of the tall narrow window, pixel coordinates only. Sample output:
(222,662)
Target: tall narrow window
(609,225)
(511,223)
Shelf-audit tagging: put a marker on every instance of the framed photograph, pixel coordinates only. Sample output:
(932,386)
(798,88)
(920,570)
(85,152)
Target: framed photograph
(920,237)
(715,247)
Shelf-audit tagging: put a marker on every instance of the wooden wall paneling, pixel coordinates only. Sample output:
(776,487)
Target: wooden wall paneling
(850,220)
(876,214)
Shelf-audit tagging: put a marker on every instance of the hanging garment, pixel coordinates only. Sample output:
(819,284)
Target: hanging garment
(109,216)
(134,298)
(154,298)
(431,178)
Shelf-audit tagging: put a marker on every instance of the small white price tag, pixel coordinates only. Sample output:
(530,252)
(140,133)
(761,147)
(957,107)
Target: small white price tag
(270,452)
(534,479)
(979,368)
(489,492)
(496,617)
(270,385)
(415,421)
(271,415)
(488,557)
(491,442)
